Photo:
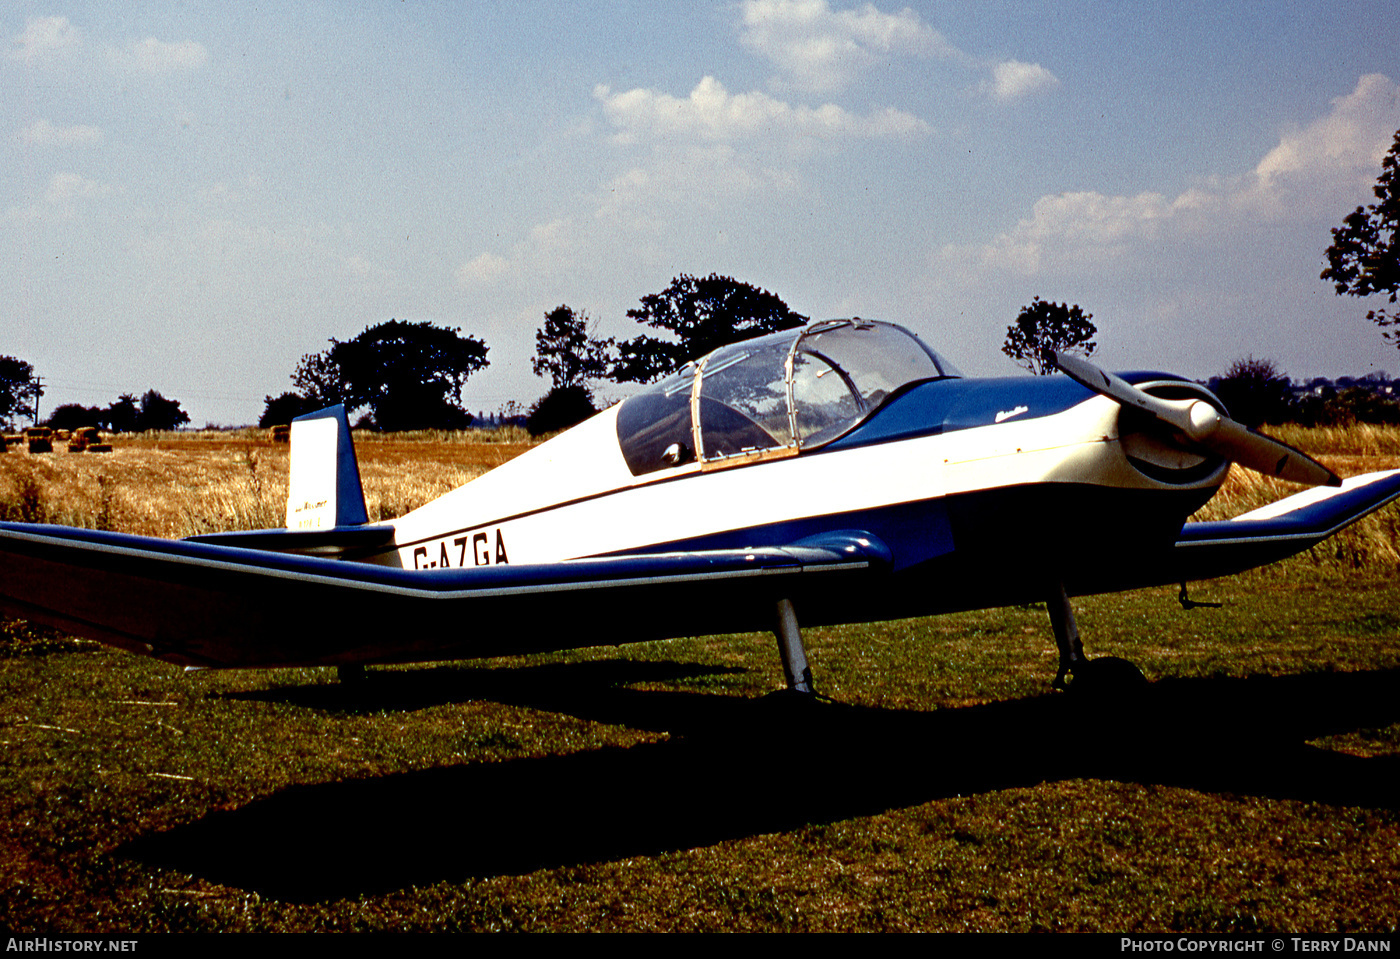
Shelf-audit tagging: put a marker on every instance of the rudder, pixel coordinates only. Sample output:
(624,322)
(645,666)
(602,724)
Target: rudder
(324,490)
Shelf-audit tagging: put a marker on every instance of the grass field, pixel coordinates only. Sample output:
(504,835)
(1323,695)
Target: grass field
(652,787)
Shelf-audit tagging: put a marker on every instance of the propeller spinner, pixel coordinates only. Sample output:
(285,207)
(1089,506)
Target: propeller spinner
(1204,425)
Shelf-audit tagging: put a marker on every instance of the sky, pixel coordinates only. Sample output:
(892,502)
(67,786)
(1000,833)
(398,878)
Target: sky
(194,195)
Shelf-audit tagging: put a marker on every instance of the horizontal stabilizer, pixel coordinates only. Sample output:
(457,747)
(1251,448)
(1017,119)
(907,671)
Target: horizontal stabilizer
(339,542)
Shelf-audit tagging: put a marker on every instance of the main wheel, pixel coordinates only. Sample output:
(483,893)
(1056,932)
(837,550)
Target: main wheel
(1108,678)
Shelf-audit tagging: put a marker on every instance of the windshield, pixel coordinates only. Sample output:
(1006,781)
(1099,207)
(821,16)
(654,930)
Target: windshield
(774,395)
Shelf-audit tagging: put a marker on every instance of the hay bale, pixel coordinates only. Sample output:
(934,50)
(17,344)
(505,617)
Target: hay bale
(83,438)
(99,447)
(280,434)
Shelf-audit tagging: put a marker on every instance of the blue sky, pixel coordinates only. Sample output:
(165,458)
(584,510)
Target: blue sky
(193,196)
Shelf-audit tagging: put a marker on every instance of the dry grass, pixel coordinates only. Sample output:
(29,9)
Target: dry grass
(181,484)
(506,435)
(1374,542)
(1357,440)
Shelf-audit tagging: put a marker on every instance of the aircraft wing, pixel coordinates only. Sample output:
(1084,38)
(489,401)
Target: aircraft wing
(1276,531)
(214,605)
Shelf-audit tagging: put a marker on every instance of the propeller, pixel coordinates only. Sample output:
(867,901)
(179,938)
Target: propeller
(1206,426)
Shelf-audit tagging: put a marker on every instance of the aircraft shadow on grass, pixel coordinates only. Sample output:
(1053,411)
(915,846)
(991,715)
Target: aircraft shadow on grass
(735,768)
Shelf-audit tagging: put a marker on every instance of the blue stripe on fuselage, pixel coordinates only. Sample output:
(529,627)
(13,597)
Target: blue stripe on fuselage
(942,406)
(915,532)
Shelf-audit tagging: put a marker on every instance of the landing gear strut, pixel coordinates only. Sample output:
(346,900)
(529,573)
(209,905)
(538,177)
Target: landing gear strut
(1107,676)
(795,669)
(1066,634)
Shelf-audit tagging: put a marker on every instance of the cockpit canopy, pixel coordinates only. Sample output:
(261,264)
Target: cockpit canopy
(772,396)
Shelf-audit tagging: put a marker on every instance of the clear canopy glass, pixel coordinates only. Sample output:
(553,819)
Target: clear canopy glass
(774,395)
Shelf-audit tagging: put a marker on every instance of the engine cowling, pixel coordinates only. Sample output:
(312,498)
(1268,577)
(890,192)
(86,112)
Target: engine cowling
(1162,453)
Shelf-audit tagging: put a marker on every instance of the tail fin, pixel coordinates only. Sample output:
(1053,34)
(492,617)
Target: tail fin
(325,484)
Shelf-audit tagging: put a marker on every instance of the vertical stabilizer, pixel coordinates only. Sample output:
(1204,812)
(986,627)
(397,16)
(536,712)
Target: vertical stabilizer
(324,491)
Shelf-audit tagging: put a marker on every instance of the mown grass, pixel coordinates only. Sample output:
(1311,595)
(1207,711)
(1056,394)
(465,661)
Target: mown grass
(1251,788)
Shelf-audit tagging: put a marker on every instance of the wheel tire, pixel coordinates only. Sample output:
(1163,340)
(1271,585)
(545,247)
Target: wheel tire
(1107,679)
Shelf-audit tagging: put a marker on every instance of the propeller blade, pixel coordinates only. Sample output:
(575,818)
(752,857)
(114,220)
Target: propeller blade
(1174,412)
(1206,426)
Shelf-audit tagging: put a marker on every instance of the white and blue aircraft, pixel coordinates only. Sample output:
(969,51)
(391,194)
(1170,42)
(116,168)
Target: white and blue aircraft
(841,472)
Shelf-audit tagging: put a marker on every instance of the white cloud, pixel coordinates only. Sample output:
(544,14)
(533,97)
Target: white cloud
(64,188)
(47,38)
(156,56)
(818,48)
(715,156)
(1012,79)
(65,195)
(713,114)
(44,133)
(1327,165)
(821,49)
(701,173)
(641,214)
(483,270)
(362,267)
(43,37)
(1347,144)
(1071,227)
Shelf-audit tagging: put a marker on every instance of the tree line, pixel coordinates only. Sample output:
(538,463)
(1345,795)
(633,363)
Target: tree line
(21,389)
(410,375)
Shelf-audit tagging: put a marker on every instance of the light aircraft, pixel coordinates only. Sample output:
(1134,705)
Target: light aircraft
(841,472)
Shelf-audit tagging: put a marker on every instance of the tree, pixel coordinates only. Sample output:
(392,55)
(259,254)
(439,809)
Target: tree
(281,410)
(567,353)
(1255,392)
(410,375)
(1364,258)
(1046,328)
(73,416)
(159,413)
(19,390)
(560,408)
(320,380)
(124,415)
(702,315)
(151,412)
